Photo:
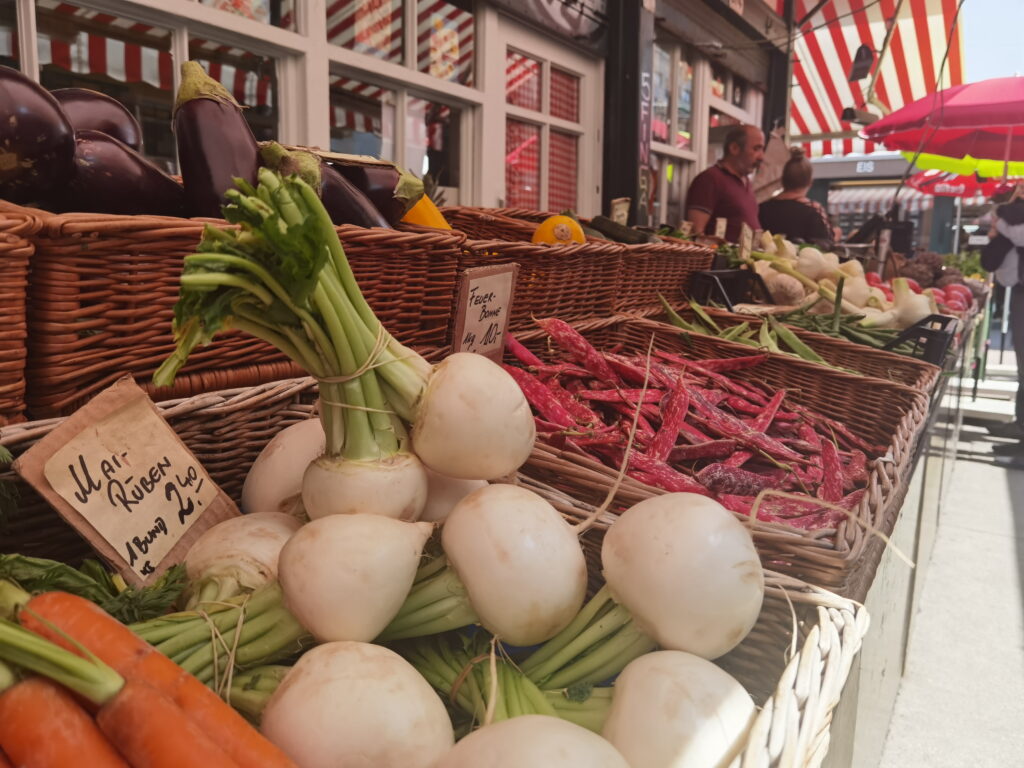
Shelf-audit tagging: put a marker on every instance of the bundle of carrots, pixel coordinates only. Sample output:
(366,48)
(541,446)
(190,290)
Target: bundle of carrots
(698,430)
(102,697)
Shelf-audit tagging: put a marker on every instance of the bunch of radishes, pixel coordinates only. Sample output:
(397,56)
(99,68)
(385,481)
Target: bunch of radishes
(953,298)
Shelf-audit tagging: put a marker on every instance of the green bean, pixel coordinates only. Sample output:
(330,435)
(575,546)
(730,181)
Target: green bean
(794,342)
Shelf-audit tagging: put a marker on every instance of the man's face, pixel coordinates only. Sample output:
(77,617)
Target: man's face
(748,159)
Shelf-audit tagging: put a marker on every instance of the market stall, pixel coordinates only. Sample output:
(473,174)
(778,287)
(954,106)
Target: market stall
(344,476)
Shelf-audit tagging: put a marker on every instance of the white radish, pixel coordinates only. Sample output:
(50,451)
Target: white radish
(237,555)
(274,482)
(444,492)
(520,561)
(686,570)
(533,741)
(672,709)
(473,421)
(393,487)
(345,577)
(360,706)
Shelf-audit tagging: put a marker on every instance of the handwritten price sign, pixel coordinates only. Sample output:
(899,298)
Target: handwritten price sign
(117,472)
(484,309)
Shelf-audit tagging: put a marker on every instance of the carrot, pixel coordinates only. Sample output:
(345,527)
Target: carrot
(53,613)
(42,726)
(153,732)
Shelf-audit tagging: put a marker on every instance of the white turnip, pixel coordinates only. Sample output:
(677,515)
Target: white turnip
(393,487)
(686,570)
(533,741)
(346,576)
(672,709)
(274,481)
(473,421)
(444,492)
(516,567)
(237,555)
(359,706)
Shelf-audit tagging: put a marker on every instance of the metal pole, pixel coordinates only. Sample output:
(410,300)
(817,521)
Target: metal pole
(1004,326)
(869,94)
(956,232)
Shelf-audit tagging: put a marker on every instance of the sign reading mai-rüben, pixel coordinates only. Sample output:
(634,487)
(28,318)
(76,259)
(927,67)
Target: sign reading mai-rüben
(120,475)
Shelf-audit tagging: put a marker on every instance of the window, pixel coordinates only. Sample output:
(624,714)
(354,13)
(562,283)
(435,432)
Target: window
(126,60)
(522,80)
(542,133)
(8,34)
(684,104)
(661,94)
(373,27)
(251,79)
(362,118)
(280,13)
(444,40)
(432,140)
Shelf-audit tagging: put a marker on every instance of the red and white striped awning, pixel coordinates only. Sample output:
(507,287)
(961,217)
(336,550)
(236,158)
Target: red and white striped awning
(444,34)
(824,49)
(117,55)
(868,199)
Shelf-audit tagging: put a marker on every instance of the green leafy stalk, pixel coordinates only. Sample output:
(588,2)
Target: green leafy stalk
(282,276)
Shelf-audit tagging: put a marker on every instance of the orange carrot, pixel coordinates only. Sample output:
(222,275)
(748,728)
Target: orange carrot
(42,726)
(53,613)
(153,732)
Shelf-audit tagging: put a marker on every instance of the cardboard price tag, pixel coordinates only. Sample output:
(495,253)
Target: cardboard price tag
(484,309)
(117,472)
(686,228)
(746,241)
(721,225)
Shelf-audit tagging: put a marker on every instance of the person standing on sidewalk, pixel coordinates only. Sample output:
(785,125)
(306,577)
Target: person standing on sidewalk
(1004,257)
(724,190)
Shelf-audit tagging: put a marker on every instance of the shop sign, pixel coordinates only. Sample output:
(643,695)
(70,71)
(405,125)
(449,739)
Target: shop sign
(484,308)
(117,472)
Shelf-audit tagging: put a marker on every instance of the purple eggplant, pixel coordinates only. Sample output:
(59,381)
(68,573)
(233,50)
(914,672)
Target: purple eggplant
(111,177)
(215,144)
(37,143)
(344,203)
(392,191)
(89,110)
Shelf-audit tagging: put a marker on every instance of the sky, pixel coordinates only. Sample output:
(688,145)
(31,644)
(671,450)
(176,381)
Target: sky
(993,38)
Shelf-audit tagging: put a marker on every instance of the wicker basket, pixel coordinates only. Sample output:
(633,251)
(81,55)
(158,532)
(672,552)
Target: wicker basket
(103,289)
(15,252)
(646,270)
(575,282)
(880,412)
(795,681)
(877,363)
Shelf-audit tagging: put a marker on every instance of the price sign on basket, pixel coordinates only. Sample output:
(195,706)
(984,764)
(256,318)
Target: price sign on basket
(721,225)
(746,241)
(117,472)
(484,308)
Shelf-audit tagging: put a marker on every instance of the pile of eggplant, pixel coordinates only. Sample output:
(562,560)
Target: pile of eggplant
(74,149)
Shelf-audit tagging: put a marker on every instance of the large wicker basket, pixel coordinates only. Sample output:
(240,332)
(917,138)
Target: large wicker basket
(878,411)
(15,252)
(877,363)
(794,662)
(577,281)
(646,270)
(103,289)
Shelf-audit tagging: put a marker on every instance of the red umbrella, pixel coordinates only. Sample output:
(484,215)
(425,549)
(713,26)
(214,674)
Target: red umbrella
(983,119)
(943,184)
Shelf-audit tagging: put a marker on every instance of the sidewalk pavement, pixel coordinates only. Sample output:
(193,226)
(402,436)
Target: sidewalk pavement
(961,701)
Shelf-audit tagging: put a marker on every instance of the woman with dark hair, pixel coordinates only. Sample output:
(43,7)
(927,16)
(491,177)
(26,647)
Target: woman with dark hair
(791,213)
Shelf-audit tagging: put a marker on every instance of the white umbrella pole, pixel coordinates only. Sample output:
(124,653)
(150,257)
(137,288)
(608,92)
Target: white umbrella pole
(956,232)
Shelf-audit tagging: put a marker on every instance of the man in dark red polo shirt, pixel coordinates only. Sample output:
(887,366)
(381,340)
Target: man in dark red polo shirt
(724,189)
